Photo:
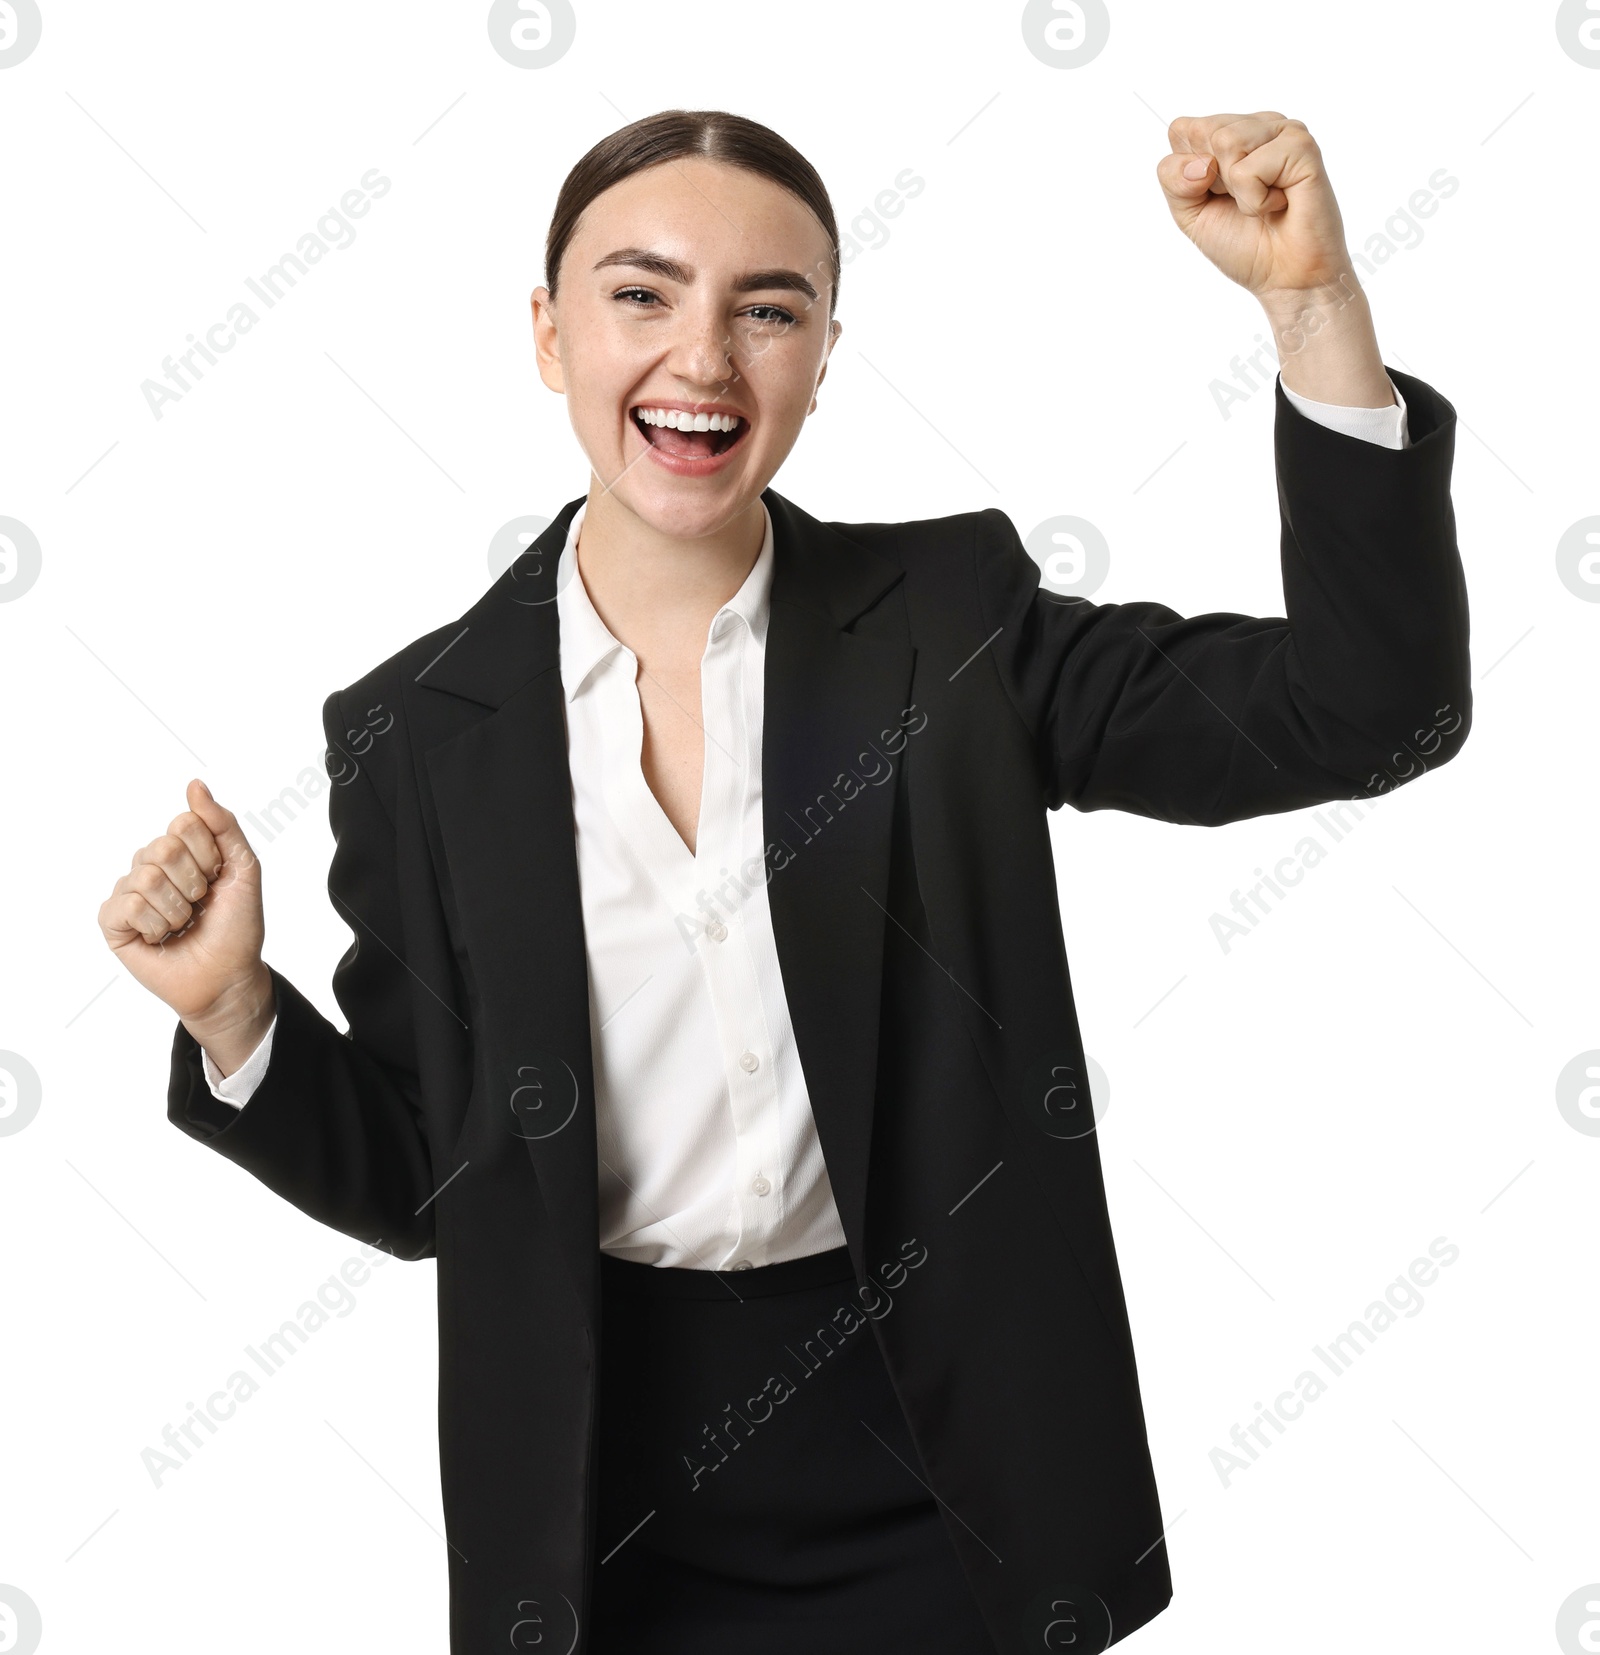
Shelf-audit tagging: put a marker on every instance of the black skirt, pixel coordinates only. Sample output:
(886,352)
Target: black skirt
(758,1485)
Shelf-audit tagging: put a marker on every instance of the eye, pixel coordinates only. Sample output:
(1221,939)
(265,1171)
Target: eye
(628,294)
(776,313)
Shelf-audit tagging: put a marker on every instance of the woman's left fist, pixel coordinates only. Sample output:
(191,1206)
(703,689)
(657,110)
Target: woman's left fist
(1261,208)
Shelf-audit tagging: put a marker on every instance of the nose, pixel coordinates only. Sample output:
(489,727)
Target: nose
(700,353)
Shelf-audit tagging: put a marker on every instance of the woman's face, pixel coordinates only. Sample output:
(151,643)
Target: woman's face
(693,287)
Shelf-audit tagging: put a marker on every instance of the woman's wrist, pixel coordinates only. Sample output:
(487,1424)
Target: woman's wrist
(1327,346)
(235,1023)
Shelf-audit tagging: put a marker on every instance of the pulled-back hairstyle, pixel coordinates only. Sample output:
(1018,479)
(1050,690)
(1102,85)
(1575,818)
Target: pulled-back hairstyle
(707,134)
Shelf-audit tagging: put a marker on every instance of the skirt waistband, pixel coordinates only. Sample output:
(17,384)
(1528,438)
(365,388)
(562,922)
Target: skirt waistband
(619,1275)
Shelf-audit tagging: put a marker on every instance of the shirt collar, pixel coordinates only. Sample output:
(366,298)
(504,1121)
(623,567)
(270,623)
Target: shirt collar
(586,640)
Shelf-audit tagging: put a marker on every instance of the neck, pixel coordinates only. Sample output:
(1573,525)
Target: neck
(658,592)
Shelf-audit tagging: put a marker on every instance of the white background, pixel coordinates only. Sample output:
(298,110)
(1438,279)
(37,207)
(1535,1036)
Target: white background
(1372,1067)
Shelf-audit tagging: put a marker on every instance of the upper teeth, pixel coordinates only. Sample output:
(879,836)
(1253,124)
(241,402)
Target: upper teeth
(687,422)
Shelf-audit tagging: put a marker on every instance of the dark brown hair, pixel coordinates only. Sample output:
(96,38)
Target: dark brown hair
(707,134)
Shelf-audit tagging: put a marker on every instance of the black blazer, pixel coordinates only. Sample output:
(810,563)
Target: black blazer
(926,705)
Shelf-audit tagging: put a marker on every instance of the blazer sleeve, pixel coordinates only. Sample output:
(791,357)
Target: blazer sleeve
(1206,719)
(336,1126)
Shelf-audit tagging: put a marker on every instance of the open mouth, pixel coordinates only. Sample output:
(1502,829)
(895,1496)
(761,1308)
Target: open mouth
(685,436)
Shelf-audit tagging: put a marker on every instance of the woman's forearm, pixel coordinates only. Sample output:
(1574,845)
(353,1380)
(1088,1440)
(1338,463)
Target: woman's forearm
(1327,347)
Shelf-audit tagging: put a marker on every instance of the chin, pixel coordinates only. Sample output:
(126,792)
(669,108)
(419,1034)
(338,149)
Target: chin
(686,509)
(667,512)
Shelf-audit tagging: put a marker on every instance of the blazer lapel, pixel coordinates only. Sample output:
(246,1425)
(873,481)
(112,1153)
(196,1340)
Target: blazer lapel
(832,696)
(502,797)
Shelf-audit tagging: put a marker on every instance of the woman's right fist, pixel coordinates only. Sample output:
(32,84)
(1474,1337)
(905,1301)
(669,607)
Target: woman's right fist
(186,920)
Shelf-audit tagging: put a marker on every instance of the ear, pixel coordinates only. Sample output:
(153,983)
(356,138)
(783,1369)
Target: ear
(834,330)
(547,339)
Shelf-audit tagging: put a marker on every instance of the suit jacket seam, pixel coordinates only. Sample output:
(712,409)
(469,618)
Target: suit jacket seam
(1046,784)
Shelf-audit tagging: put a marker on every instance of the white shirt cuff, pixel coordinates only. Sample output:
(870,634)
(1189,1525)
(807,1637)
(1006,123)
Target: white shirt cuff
(237,1087)
(1384,426)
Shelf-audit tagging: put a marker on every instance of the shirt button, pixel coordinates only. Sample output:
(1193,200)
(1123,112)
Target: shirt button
(749,1062)
(740,1264)
(716,930)
(761,1186)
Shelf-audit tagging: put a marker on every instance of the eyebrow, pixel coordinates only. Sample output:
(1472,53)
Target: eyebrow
(754,281)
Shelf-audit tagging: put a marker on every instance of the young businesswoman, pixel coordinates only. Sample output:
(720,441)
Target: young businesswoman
(709,1019)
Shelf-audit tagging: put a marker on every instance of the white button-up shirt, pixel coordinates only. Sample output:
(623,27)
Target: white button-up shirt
(709,1156)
